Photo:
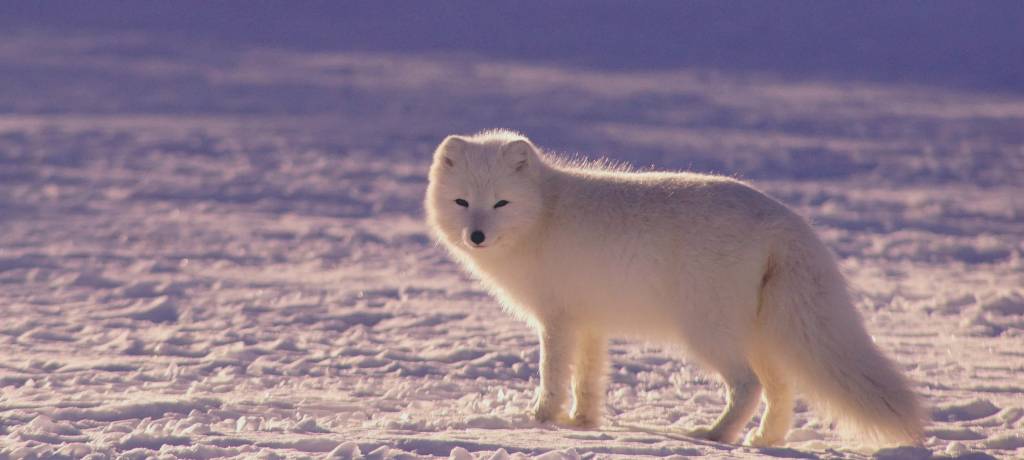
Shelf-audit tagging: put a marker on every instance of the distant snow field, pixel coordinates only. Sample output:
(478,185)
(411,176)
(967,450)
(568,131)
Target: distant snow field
(219,252)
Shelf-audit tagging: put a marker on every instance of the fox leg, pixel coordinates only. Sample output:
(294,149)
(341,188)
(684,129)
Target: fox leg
(743,392)
(778,414)
(588,379)
(557,349)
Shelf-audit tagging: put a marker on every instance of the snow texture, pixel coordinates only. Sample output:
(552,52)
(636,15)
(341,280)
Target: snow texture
(215,248)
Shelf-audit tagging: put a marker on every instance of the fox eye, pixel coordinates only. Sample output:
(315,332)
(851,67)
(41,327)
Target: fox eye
(500,203)
(461,202)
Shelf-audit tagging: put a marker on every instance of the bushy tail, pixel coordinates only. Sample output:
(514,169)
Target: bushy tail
(820,339)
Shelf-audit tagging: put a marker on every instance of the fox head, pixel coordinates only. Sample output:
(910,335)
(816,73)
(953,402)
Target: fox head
(485,191)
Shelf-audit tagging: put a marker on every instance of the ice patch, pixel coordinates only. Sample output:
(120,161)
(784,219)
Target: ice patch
(303,444)
(44,334)
(951,304)
(307,425)
(453,356)
(88,280)
(346,451)
(125,344)
(972,455)
(73,450)
(44,424)
(955,434)
(1008,441)
(137,410)
(996,314)
(147,289)
(151,440)
(902,453)
(1005,303)
(460,453)
(1009,416)
(28,452)
(500,454)
(567,454)
(170,349)
(488,422)
(26,261)
(160,310)
(972,410)
(199,452)
(43,429)
(379,453)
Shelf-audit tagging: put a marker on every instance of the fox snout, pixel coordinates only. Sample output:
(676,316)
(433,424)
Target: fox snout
(474,238)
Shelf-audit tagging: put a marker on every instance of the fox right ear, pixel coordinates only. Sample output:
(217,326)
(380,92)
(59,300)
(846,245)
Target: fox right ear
(518,154)
(450,147)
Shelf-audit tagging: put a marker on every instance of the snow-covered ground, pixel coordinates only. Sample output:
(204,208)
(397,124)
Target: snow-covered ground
(216,251)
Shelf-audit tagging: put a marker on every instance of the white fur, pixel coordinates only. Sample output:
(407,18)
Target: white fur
(741,281)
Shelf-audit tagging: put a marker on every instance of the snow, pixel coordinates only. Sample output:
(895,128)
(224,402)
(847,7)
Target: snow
(972,410)
(216,249)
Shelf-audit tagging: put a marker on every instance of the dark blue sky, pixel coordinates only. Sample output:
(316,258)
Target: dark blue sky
(975,45)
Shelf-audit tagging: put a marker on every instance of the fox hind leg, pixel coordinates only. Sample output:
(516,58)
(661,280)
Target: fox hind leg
(744,390)
(778,398)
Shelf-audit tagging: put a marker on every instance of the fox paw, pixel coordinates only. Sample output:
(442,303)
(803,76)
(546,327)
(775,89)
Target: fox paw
(585,421)
(544,413)
(706,433)
(757,439)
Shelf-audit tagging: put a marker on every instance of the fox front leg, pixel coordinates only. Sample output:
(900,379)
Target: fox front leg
(557,349)
(588,381)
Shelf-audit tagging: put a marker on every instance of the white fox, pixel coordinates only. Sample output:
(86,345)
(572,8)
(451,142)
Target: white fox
(738,279)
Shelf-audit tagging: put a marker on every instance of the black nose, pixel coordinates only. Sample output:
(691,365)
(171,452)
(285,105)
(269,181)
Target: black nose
(477,237)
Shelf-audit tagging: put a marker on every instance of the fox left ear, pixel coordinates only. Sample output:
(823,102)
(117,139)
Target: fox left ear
(518,154)
(450,147)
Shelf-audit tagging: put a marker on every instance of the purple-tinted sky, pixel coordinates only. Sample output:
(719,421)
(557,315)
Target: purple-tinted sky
(976,45)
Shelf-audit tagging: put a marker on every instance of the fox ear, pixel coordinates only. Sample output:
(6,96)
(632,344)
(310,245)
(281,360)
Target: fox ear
(518,154)
(451,147)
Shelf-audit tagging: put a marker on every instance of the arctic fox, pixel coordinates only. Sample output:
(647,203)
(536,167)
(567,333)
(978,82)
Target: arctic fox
(739,280)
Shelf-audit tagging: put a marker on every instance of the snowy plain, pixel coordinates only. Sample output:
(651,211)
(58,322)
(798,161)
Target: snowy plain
(217,251)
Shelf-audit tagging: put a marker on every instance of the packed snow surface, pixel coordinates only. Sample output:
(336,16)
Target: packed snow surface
(217,252)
